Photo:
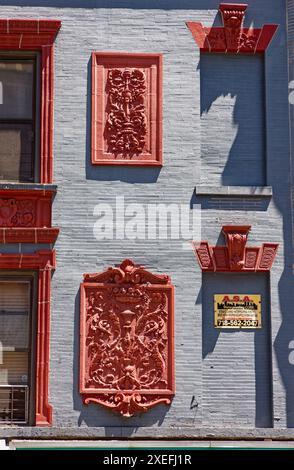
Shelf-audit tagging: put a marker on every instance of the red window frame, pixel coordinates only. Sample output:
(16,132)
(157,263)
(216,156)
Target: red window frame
(37,35)
(44,263)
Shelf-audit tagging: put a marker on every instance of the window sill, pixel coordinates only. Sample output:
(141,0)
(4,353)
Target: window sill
(28,186)
(28,235)
(235,191)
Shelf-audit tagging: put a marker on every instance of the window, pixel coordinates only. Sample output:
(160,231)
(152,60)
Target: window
(26,71)
(17,118)
(25,336)
(16,349)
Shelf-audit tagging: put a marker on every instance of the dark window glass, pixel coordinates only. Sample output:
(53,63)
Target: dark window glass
(17,126)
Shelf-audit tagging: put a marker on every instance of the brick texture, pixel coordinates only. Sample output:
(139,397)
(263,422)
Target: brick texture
(194,152)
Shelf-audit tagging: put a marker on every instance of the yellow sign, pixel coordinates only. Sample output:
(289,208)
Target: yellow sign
(237,311)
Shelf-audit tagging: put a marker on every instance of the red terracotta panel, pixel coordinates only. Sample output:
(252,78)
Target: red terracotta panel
(28,235)
(236,239)
(216,39)
(267,33)
(232,37)
(126,109)
(235,256)
(251,257)
(11,41)
(127,344)
(199,34)
(204,256)
(25,216)
(46,140)
(221,258)
(23,26)
(48,235)
(267,256)
(3,26)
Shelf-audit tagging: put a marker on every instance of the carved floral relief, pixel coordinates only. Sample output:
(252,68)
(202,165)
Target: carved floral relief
(127,339)
(126,109)
(126,120)
(17,213)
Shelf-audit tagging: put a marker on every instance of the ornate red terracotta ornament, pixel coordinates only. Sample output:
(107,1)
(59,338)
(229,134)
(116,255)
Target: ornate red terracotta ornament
(126,361)
(232,37)
(236,256)
(44,263)
(126,120)
(126,109)
(25,216)
(37,35)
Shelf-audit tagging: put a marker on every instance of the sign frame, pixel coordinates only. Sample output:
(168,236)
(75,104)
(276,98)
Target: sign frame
(247,318)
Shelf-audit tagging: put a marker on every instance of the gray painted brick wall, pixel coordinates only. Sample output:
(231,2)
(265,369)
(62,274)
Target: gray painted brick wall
(237,364)
(161,28)
(231,91)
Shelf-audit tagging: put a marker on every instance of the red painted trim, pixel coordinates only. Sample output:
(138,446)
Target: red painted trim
(37,35)
(44,262)
(232,37)
(235,256)
(104,150)
(28,235)
(267,34)
(135,308)
(46,131)
(233,6)
(25,216)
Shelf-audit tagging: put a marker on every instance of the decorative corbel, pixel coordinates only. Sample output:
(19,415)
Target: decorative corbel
(235,256)
(232,37)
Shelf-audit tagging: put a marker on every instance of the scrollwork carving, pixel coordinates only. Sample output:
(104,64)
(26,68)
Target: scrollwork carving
(235,256)
(232,37)
(127,340)
(17,213)
(126,118)
(236,238)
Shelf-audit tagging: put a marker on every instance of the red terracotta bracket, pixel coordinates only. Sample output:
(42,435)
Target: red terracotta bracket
(127,344)
(232,37)
(126,109)
(37,35)
(235,256)
(25,216)
(44,263)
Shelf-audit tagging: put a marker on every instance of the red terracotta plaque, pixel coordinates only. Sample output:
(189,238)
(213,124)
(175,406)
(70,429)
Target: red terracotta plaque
(236,256)
(126,109)
(127,358)
(25,216)
(232,37)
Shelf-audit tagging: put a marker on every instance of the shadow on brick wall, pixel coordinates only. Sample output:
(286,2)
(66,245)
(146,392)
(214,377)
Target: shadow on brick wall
(233,119)
(227,361)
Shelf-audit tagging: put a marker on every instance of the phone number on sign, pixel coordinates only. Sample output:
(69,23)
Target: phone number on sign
(238,323)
